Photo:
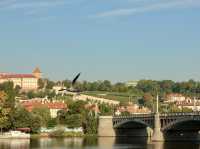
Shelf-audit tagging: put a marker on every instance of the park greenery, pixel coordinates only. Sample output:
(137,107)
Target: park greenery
(13,116)
(188,88)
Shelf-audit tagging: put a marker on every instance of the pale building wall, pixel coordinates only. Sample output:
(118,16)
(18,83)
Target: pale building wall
(53,112)
(97,99)
(24,83)
(29,83)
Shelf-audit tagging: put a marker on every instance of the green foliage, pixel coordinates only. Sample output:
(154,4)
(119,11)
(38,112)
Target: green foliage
(52,123)
(44,113)
(77,107)
(186,110)
(174,109)
(57,133)
(148,86)
(41,94)
(41,84)
(21,118)
(61,115)
(126,113)
(90,124)
(35,123)
(4,122)
(106,109)
(30,95)
(78,116)
(24,119)
(8,88)
(73,120)
(49,84)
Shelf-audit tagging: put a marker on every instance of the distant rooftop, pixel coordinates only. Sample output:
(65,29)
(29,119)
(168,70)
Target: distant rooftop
(12,75)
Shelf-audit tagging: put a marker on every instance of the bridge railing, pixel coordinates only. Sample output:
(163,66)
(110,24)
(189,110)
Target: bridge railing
(181,114)
(134,115)
(162,115)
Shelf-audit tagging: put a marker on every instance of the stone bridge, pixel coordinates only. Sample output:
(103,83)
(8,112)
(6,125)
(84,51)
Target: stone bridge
(157,126)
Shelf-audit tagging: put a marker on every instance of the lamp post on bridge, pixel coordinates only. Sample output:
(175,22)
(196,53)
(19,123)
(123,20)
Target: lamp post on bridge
(157,104)
(157,133)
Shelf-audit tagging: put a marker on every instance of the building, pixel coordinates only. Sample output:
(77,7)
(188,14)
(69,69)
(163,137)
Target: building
(192,104)
(132,109)
(171,98)
(131,83)
(25,81)
(53,106)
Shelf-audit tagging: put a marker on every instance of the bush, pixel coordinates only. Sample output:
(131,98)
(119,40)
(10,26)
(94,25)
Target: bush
(57,133)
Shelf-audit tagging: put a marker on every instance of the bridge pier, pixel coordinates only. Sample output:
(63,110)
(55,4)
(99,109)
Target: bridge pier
(157,133)
(105,128)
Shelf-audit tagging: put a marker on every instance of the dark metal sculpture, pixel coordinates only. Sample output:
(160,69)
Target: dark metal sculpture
(72,89)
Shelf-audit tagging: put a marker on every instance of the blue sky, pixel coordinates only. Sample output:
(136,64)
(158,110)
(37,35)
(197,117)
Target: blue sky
(118,40)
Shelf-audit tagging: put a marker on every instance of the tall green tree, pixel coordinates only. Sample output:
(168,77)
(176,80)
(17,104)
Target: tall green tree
(44,113)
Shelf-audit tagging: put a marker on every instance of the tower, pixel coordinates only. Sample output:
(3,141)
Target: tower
(37,73)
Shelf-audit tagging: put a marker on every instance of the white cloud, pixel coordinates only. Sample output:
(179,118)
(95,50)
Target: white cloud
(40,4)
(148,7)
(30,7)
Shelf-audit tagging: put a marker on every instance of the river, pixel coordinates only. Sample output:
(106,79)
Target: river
(95,143)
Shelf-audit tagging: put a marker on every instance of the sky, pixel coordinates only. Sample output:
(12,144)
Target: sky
(117,40)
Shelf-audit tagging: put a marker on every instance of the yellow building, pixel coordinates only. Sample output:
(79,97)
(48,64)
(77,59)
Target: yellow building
(25,81)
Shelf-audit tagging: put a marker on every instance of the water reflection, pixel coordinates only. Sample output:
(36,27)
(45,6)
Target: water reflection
(46,143)
(95,143)
(14,143)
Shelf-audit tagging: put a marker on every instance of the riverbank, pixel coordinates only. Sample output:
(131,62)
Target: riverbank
(63,135)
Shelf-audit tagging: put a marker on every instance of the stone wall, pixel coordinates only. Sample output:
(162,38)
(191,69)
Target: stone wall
(105,128)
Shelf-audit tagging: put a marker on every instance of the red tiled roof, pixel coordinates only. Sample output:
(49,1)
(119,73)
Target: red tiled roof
(10,75)
(92,107)
(175,95)
(36,104)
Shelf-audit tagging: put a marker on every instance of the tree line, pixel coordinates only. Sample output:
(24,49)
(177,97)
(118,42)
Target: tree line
(189,88)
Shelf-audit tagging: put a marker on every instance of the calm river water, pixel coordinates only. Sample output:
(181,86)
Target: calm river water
(94,143)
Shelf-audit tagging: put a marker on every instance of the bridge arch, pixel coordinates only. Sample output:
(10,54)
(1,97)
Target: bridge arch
(185,124)
(136,123)
(132,127)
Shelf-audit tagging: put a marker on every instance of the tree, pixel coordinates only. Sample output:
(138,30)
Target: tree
(24,119)
(35,123)
(8,88)
(148,86)
(52,123)
(4,119)
(77,107)
(3,97)
(166,86)
(90,123)
(73,120)
(21,118)
(49,84)
(30,95)
(41,84)
(105,109)
(61,115)
(147,97)
(67,83)
(44,113)
(119,87)
(4,111)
